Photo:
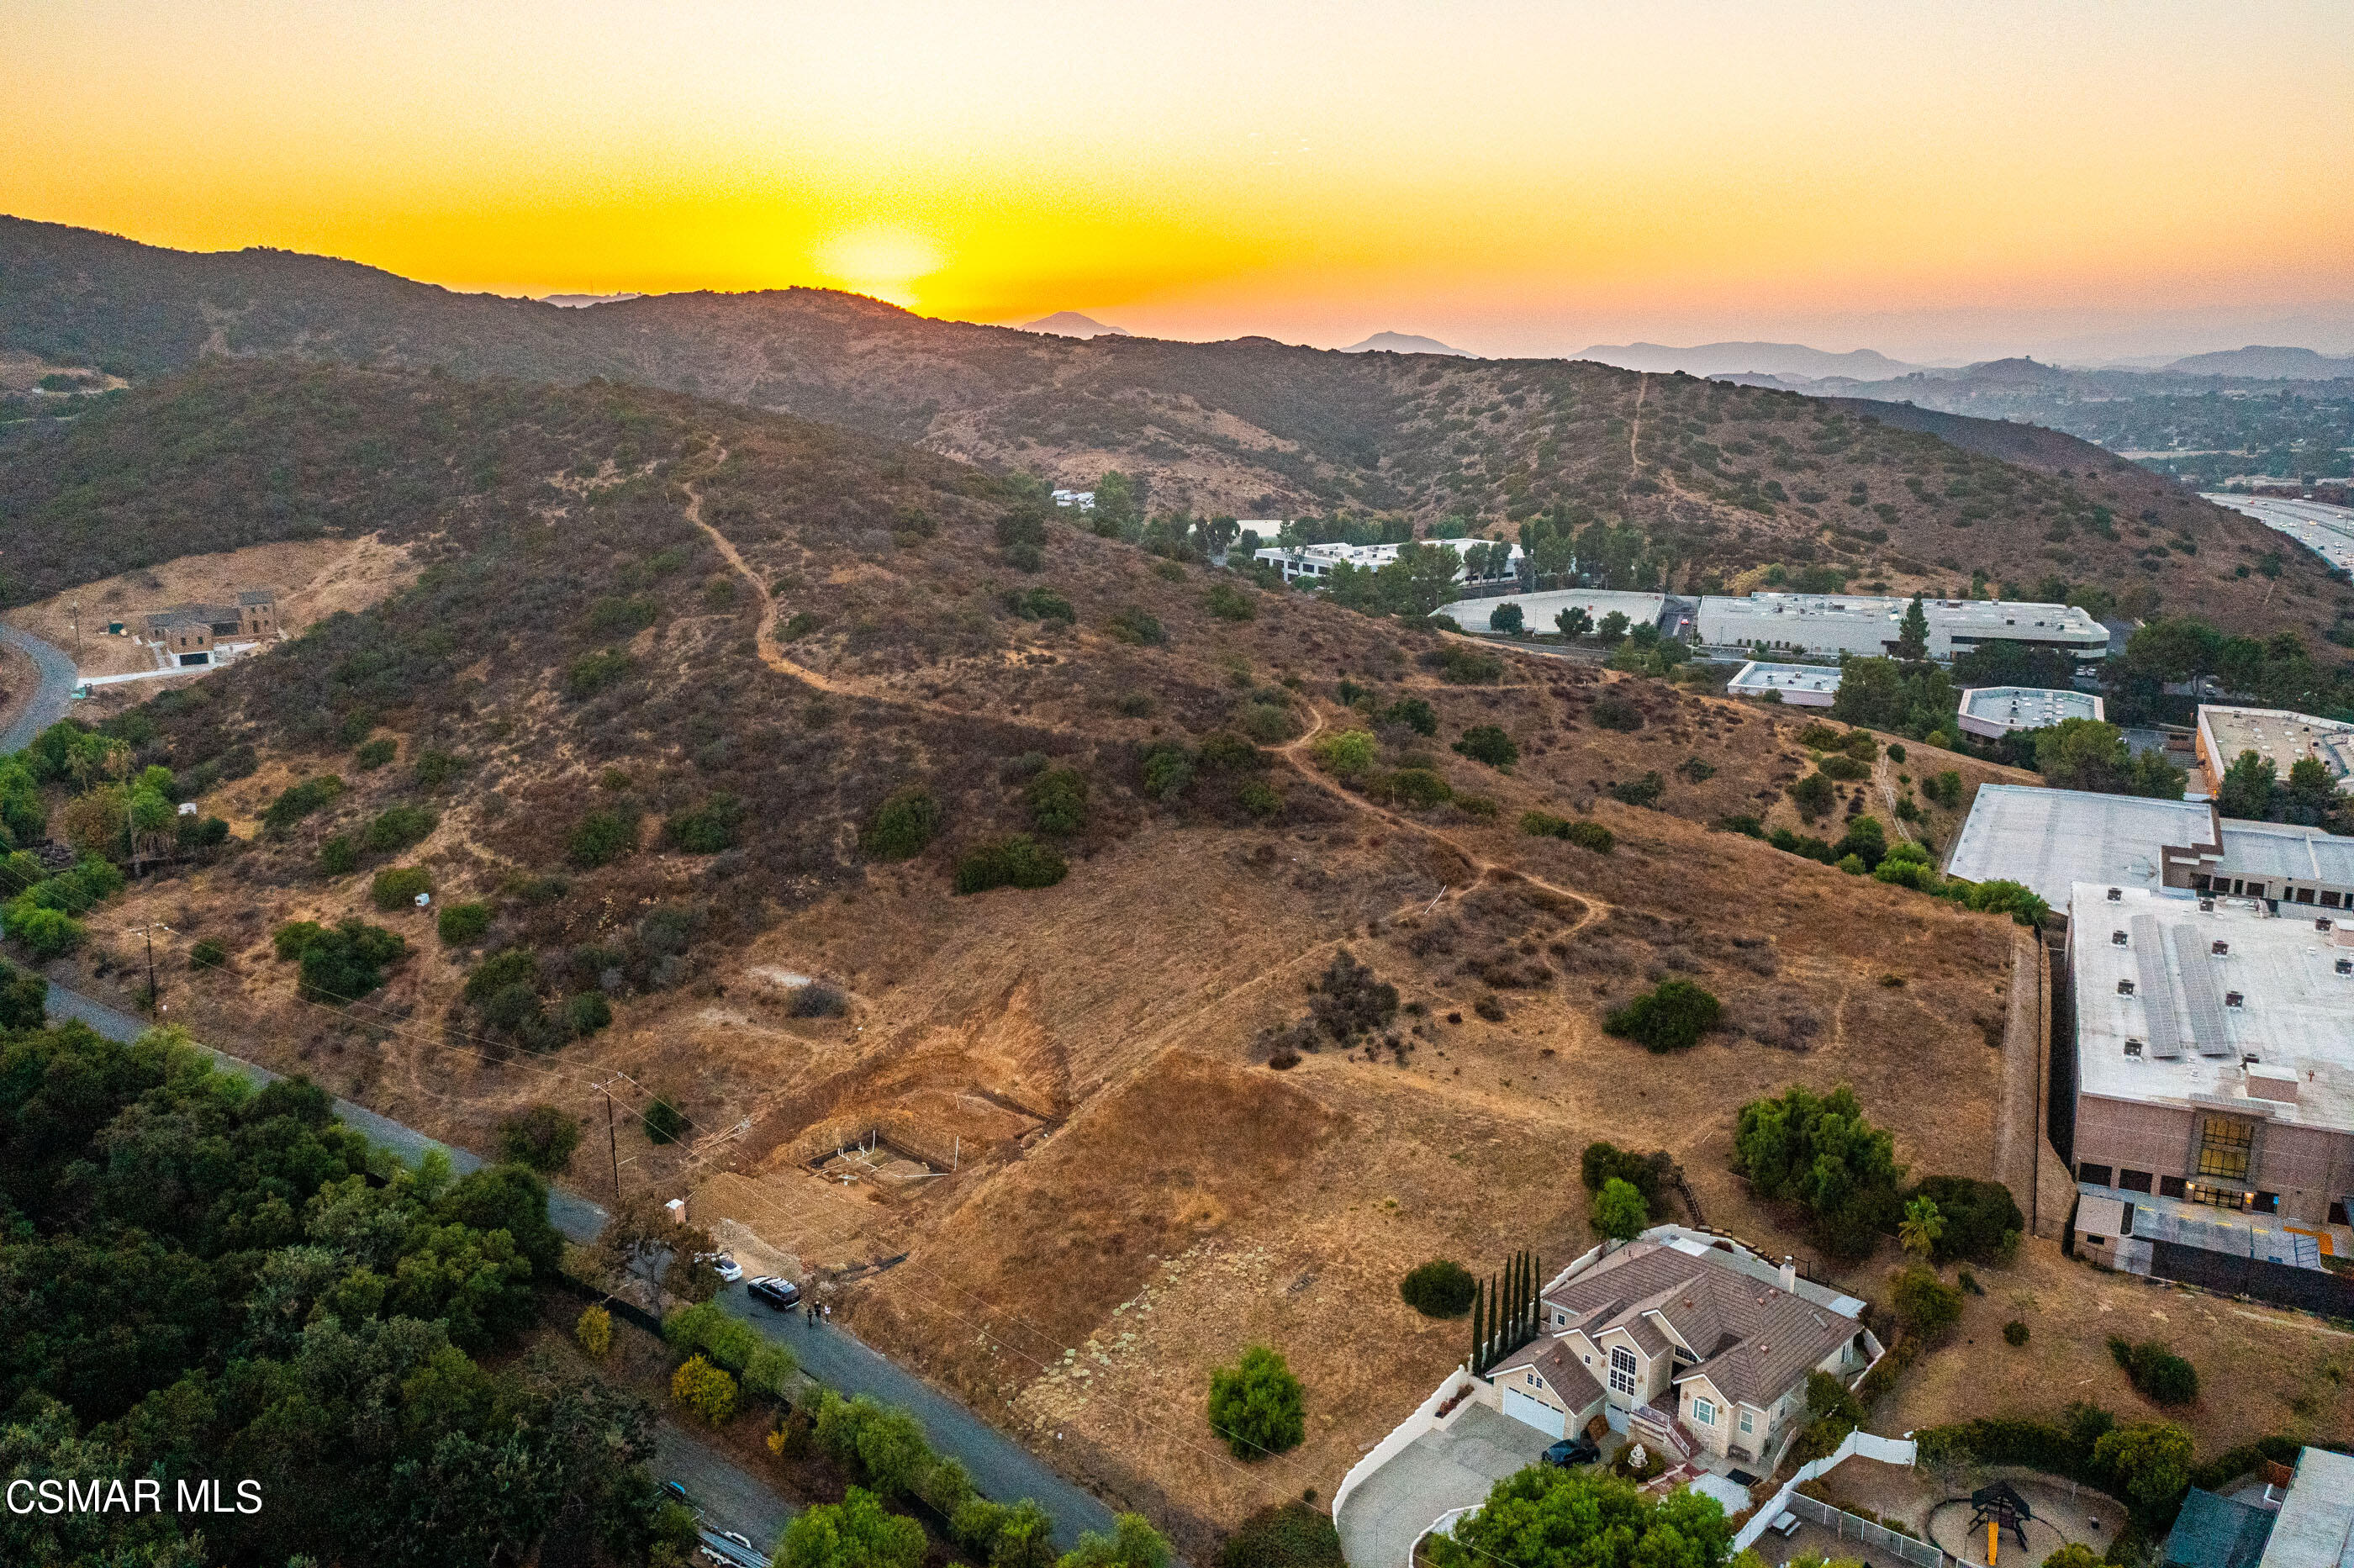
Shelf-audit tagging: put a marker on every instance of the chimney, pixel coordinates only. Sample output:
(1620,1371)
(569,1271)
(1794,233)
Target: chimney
(1790,1275)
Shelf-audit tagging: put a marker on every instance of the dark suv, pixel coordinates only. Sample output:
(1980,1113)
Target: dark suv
(1571,1451)
(781,1294)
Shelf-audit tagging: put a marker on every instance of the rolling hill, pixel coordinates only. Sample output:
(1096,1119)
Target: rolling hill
(655,710)
(1720,481)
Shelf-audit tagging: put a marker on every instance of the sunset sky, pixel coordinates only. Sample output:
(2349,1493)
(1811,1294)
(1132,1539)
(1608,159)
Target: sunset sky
(1931,180)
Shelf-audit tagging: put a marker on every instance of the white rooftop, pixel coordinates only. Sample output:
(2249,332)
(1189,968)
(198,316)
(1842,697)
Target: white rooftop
(2028,707)
(2052,839)
(2279,852)
(2282,736)
(2317,1518)
(1758,677)
(2295,1015)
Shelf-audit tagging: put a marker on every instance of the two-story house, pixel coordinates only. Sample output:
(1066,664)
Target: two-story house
(1685,1340)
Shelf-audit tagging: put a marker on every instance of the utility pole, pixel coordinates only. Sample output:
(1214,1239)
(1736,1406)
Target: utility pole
(149,932)
(613,1149)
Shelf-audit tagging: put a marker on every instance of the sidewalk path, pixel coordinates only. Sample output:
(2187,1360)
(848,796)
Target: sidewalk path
(1002,1468)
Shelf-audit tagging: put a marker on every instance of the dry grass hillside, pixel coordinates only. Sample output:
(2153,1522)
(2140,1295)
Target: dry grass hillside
(1718,480)
(1109,1149)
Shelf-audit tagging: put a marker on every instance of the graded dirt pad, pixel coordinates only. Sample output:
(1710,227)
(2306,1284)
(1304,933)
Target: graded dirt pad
(2261,1370)
(313,579)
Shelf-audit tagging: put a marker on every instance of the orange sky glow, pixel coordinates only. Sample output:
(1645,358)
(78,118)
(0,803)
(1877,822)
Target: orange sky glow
(1512,177)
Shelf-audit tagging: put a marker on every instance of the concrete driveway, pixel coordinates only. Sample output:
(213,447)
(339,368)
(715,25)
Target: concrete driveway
(1453,1467)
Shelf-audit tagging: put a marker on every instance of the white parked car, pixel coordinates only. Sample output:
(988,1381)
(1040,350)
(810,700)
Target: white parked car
(722,1264)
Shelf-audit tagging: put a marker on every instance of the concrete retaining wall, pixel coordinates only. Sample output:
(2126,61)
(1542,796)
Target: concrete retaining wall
(1424,1419)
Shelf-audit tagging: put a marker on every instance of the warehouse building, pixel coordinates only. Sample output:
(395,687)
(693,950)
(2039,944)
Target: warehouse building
(2214,1094)
(1825,625)
(2280,736)
(1994,711)
(1798,686)
(1542,611)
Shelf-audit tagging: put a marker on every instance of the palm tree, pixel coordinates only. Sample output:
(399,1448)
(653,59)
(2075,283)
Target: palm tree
(1922,1225)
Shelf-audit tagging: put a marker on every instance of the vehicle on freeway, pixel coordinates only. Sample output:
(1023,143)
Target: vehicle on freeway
(775,1291)
(722,1264)
(1571,1451)
(738,1538)
(677,1494)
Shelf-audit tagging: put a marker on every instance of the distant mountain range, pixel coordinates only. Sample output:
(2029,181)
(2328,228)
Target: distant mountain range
(1070,323)
(1774,359)
(578,301)
(2266,363)
(1406,343)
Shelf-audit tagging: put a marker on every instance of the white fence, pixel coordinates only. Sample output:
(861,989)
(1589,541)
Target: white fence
(1887,1450)
(1424,1419)
(1847,1526)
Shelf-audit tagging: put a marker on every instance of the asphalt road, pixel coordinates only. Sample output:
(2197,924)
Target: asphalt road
(726,1495)
(53,698)
(1000,1467)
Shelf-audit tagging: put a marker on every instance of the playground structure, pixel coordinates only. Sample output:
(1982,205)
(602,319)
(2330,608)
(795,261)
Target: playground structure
(1999,1508)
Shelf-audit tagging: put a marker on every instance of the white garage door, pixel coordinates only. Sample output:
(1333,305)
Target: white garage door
(1535,1412)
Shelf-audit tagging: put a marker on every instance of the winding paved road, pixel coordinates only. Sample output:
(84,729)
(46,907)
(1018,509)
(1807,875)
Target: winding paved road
(51,700)
(1000,1467)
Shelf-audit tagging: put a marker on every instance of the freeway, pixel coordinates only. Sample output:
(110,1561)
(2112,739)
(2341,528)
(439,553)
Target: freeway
(50,700)
(1000,1467)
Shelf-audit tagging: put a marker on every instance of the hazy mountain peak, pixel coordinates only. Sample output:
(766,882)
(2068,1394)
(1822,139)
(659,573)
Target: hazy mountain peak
(2266,363)
(1070,323)
(1406,343)
(581,301)
(1748,358)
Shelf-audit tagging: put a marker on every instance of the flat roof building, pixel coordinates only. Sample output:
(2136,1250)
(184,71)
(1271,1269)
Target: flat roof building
(2050,840)
(2282,738)
(1801,685)
(2314,1527)
(1825,624)
(1540,611)
(1992,711)
(2214,1052)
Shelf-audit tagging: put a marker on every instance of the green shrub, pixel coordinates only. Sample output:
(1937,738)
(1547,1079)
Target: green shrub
(584,1013)
(1619,1211)
(614,617)
(1843,768)
(907,820)
(799,626)
(1819,1152)
(1643,792)
(665,1122)
(297,802)
(433,769)
(1132,624)
(1134,704)
(397,827)
(602,838)
(1414,714)
(209,954)
(1256,1407)
(1544,825)
(1602,1163)
(397,886)
(345,963)
(1017,860)
(1488,743)
(708,828)
(541,1137)
(2161,1374)
(1612,711)
(514,967)
(1228,602)
(1168,769)
(593,672)
(1671,1017)
(47,933)
(375,753)
(1261,799)
(1417,789)
(1041,604)
(339,856)
(1925,1305)
(2014,1332)
(1983,1223)
(1464,665)
(1813,795)
(1345,754)
(1591,836)
(288,940)
(1696,769)
(1057,799)
(1284,1535)
(461,924)
(1439,1289)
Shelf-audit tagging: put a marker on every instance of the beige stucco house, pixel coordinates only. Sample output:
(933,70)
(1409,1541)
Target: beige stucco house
(1687,1341)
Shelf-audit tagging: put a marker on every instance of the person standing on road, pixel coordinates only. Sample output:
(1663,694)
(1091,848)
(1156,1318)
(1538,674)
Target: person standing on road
(826,1312)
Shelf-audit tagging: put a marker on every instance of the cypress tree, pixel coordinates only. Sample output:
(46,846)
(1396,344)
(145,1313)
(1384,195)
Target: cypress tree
(1478,1318)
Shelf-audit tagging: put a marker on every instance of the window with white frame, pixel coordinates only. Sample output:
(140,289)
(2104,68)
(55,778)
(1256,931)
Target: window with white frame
(1532,1379)
(1622,1371)
(1704,1411)
(1748,1421)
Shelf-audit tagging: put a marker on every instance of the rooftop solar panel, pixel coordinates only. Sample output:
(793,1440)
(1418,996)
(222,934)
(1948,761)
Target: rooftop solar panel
(2156,990)
(2206,1007)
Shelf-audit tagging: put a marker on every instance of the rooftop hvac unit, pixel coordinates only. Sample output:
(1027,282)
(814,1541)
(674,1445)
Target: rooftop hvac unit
(2322,924)
(2206,906)
(2346,966)
(2117,894)
(2116,938)
(2232,999)
(2124,987)
(2219,948)
(2133,1047)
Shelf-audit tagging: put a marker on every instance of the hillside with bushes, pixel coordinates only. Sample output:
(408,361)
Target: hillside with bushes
(1709,485)
(797,785)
